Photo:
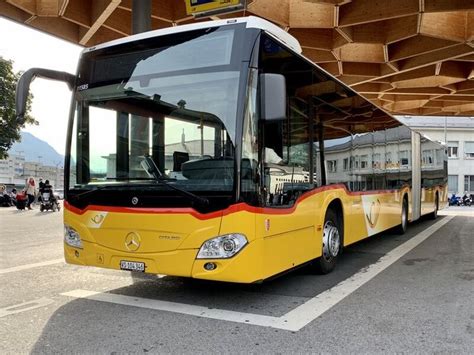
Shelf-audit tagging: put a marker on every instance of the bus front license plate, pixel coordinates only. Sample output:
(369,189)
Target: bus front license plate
(132,266)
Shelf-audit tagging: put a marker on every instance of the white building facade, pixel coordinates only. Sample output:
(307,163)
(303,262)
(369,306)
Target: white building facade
(459,134)
(15,170)
(11,170)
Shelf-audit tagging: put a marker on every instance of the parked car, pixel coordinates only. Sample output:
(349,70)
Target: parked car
(59,194)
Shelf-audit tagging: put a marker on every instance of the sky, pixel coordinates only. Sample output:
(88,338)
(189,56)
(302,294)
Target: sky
(28,48)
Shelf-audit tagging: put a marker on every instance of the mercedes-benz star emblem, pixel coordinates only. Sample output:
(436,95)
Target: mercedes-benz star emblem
(135,200)
(132,241)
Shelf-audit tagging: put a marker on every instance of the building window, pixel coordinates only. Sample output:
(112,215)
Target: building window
(332,166)
(377,161)
(469,183)
(345,165)
(404,159)
(453,183)
(427,157)
(439,156)
(453,150)
(364,161)
(469,150)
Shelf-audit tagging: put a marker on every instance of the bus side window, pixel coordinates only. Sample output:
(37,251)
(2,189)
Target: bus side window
(286,147)
(287,157)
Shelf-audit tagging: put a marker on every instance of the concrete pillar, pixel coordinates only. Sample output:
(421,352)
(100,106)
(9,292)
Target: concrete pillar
(141,16)
(140,126)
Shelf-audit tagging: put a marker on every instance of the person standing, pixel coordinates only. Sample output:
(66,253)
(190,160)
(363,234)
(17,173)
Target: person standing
(13,196)
(41,186)
(31,192)
(3,190)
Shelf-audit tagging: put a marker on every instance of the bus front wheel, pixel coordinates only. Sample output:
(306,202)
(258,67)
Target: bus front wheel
(332,239)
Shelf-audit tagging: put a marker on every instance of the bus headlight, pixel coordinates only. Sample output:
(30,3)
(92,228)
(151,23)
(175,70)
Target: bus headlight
(222,247)
(71,237)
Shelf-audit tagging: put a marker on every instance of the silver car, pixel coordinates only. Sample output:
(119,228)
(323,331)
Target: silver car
(59,194)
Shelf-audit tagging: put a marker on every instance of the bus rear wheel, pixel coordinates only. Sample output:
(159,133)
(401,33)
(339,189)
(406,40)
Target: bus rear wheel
(402,227)
(332,239)
(434,214)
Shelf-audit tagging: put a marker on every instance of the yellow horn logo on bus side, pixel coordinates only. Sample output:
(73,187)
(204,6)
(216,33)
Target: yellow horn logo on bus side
(374,213)
(98,218)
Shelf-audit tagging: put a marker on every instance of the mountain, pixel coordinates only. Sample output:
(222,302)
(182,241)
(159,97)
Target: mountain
(32,147)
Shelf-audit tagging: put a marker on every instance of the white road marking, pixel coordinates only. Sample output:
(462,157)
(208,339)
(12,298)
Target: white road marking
(316,306)
(293,320)
(31,266)
(182,308)
(23,307)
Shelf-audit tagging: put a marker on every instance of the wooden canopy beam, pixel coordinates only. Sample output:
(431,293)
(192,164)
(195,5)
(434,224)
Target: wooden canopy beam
(61,27)
(79,12)
(48,8)
(415,46)
(101,10)
(304,14)
(29,6)
(393,51)
(364,11)
(13,12)
(447,5)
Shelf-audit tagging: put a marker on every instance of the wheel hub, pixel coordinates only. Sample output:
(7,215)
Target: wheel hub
(331,241)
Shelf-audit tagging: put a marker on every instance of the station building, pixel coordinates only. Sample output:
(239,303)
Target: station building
(459,135)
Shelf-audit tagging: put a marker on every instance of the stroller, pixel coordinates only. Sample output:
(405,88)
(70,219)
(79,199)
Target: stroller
(48,201)
(21,200)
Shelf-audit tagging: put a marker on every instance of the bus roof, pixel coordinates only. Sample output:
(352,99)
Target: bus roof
(250,21)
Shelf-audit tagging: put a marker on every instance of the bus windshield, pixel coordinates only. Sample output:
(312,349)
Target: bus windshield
(171,99)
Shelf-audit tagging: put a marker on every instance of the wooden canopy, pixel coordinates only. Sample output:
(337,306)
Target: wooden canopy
(412,57)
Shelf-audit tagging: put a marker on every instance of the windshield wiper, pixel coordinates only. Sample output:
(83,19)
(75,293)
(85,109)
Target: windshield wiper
(85,193)
(157,177)
(162,182)
(79,196)
(201,200)
(150,167)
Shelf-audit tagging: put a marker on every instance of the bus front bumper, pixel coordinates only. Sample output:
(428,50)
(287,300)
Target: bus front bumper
(244,267)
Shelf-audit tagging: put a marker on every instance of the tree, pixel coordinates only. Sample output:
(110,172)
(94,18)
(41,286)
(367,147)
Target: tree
(9,127)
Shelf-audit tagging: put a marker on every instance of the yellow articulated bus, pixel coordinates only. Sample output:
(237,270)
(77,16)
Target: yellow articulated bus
(218,151)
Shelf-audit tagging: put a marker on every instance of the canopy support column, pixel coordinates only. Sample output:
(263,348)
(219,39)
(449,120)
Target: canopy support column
(141,16)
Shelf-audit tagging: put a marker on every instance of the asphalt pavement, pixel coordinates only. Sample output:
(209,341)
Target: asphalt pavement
(389,293)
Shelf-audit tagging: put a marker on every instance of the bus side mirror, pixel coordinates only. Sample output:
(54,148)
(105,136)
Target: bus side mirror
(23,86)
(272,97)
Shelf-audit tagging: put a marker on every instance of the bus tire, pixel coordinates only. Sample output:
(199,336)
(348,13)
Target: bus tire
(332,241)
(402,228)
(434,214)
